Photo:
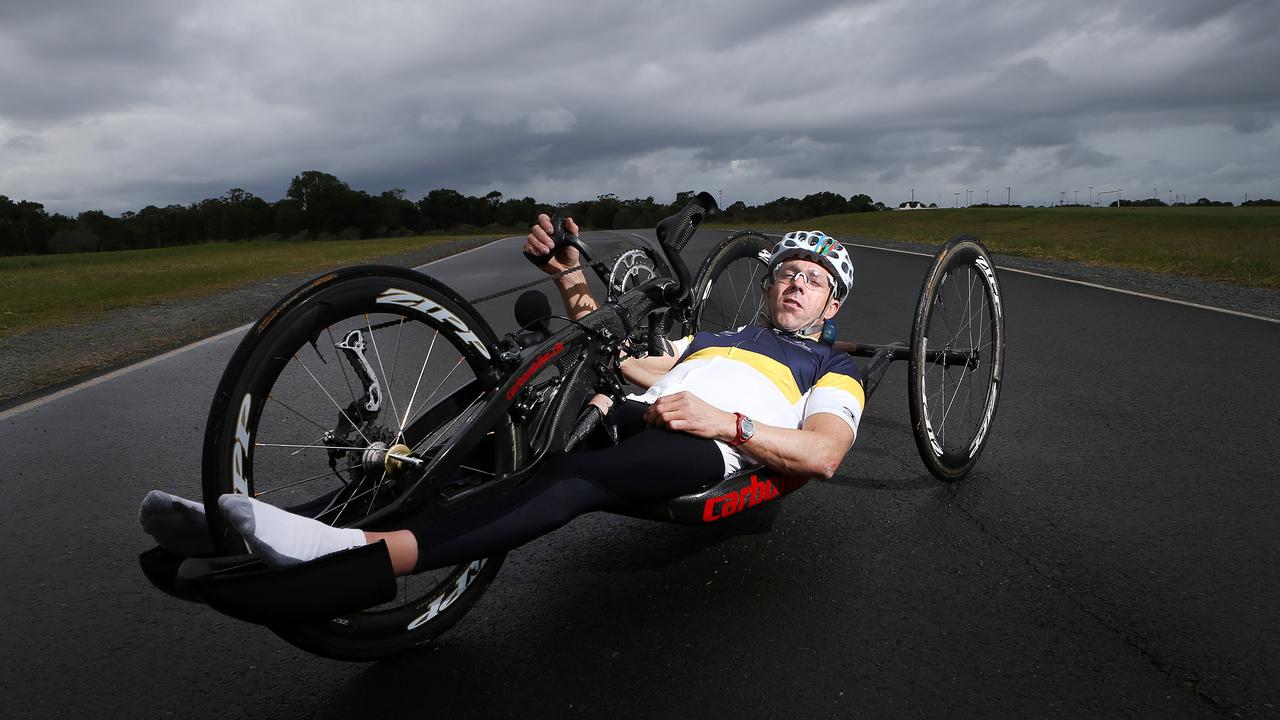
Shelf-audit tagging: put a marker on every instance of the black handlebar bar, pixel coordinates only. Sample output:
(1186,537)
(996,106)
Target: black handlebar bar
(674,233)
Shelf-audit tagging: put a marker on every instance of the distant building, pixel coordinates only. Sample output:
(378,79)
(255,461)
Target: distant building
(912,205)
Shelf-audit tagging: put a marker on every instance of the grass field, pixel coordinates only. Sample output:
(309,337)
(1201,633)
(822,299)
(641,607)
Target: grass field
(1236,245)
(45,290)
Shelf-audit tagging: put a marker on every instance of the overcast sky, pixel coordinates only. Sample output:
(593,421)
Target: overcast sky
(115,106)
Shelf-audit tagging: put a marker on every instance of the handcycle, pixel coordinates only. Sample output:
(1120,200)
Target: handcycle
(437,414)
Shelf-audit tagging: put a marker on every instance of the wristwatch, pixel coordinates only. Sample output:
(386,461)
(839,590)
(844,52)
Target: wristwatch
(746,430)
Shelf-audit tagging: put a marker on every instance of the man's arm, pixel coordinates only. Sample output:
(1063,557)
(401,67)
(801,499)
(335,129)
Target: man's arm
(577,298)
(817,448)
(644,372)
(574,291)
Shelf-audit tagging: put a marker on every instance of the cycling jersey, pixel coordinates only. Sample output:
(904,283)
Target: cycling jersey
(772,378)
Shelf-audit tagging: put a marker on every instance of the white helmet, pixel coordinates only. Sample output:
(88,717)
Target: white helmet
(817,246)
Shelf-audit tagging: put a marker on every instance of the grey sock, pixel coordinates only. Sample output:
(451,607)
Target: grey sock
(177,524)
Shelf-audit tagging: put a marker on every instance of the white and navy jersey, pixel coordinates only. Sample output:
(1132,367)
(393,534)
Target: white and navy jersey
(771,378)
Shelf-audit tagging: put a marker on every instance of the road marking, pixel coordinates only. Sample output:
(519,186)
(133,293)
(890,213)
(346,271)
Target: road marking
(39,402)
(42,401)
(1135,293)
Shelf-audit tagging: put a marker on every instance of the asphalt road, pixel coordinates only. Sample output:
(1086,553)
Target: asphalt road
(1114,555)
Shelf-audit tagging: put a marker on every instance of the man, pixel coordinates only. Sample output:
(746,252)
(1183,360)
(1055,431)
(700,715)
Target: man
(766,393)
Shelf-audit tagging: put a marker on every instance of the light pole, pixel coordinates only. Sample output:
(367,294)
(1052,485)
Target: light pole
(957,204)
(1077,200)
(722,199)
(988,196)
(1090,196)
(1009,196)
(968,198)
(1062,197)
(913,195)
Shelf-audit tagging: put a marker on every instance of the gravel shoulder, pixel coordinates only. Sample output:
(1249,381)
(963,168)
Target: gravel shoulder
(33,364)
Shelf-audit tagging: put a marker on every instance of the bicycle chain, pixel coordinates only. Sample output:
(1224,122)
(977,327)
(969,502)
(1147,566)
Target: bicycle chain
(602,268)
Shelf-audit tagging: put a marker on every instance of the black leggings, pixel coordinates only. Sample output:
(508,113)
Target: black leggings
(647,465)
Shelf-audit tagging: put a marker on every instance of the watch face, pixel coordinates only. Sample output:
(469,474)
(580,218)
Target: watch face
(748,428)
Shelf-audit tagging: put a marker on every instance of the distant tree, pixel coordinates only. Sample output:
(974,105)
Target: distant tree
(823,203)
(443,208)
(326,202)
(861,203)
(25,227)
(319,204)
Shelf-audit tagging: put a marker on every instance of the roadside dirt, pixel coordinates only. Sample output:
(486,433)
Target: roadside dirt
(32,364)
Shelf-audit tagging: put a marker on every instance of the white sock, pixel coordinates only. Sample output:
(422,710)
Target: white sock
(281,538)
(177,524)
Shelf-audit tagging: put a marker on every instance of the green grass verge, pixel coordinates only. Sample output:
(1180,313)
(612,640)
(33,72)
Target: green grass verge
(1236,245)
(46,290)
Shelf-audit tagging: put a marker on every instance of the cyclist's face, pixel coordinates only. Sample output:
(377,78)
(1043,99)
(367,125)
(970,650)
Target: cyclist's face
(797,304)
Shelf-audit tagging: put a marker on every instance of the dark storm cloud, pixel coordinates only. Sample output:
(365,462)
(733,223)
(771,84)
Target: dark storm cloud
(119,106)
(66,60)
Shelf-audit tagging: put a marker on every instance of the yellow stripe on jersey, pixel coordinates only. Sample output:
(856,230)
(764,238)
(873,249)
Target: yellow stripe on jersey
(845,383)
(774,371)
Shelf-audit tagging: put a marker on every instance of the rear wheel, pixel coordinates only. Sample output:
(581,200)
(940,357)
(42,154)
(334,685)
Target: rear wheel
(728,291)
(349,371)
(957,357)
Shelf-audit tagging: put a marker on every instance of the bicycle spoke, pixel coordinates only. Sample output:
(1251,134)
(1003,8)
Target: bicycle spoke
(390,393)
(310,447)
(443,431)
(400,434)
(295,483)
(405,420)
(335,402)
(288,407)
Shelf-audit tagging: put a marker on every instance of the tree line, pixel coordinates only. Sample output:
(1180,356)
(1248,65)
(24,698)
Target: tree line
(318,205)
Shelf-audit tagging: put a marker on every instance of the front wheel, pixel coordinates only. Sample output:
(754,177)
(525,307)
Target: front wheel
(728,291)
(957,358)
(348,371)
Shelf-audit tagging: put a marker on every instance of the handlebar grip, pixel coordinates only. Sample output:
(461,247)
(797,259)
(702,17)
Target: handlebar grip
(673,232)
(561,237)
(676,230)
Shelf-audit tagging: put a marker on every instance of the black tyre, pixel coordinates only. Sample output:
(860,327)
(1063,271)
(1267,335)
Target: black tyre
(957,356)
(312,400)
(727,290)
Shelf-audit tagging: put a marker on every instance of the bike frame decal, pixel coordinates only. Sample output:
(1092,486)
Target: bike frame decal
(240,451)
(404,298)
(538,363)
(990,274)
(442,601)
(722,506)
